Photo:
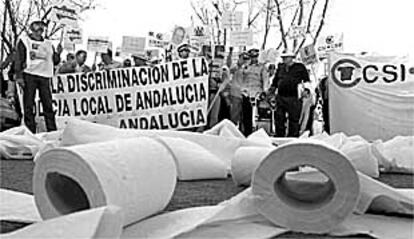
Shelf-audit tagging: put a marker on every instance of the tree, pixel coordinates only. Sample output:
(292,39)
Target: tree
(304,16)
(263,16)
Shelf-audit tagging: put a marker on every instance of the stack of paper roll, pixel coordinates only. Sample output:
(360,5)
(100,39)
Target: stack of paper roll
(198,156)
(138,175)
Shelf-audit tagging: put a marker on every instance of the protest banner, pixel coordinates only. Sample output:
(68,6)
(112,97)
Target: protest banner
(371,96)
(308,54)
(133,45)
(73,35)
(330,43)
(65,13)
(172,95)
(98,44)
(232,20)
(241,38)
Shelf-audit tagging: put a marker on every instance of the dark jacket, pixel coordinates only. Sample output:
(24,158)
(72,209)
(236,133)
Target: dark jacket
(286,80)
(20,61)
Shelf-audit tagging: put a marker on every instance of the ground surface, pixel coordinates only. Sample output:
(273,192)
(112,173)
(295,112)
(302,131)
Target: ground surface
(17,175)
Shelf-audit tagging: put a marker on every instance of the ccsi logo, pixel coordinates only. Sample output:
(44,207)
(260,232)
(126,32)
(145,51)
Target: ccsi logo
(348,73)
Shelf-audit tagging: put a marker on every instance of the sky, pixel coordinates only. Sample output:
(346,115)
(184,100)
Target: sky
(382,26)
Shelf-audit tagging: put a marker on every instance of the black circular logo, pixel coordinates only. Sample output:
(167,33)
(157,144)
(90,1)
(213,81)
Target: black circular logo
(346,67)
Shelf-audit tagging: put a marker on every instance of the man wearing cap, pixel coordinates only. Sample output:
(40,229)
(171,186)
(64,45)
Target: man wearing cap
(288,76)
(255,83)
(35,61)
(235,87)
(108,62)
(184,51)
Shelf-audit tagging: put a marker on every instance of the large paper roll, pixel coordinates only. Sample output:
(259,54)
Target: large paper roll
(193,161)
(305,206)
(245,160)
(103,222)
(81,132)
(138,175)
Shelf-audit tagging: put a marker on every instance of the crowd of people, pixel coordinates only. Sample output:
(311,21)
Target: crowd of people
(234,94)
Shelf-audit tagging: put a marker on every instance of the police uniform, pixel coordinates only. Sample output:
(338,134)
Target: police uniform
(255,83)
(183,48)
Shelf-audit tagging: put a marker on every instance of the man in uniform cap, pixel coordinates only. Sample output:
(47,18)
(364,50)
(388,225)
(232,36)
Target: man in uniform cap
(108,61)
(184,51)
(288,76)
(255,83)
(35,61)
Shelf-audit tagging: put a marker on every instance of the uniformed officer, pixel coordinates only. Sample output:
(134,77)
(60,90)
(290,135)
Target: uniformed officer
(255,83)
(184,51)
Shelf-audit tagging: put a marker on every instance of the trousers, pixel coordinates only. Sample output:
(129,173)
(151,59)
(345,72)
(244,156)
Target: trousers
(31,84)
(291,106)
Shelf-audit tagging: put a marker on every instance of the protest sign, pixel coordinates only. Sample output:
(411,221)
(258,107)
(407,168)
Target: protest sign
(200,36)
(178,35)
(73,35)
(269,55)
(371,96)
(69,46)
(241,38)
(133,45)
(98,44)
(330,43)
(308,54)
(296,32)
(152,42)
(65,13)
(232,20)
(172,95)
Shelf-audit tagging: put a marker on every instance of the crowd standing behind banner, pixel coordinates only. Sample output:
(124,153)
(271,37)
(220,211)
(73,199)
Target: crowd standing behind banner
(235,88)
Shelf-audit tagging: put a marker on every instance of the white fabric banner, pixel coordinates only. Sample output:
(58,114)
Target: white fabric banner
(172,95)
(371,96)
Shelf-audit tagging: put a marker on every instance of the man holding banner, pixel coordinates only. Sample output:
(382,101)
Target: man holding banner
(35,61)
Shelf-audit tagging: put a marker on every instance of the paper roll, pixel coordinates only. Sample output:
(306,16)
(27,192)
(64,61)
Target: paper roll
(138,175)
(81,132)
(305,206)
(103,222)
(245,160)
(193,161)
(18,207)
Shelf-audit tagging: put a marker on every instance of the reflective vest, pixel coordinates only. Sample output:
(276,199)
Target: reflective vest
(39,57)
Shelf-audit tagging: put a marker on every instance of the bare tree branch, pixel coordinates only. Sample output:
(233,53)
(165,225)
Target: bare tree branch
(198,14)
(308,24)
(324,11)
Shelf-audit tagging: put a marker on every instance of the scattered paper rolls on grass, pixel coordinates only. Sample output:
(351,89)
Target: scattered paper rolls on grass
(138,175)
(305,206)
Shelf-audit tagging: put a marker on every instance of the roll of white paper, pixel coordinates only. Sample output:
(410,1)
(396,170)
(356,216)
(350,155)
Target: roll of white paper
(193,161)
(310,207)
(138,175)
(245,160)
